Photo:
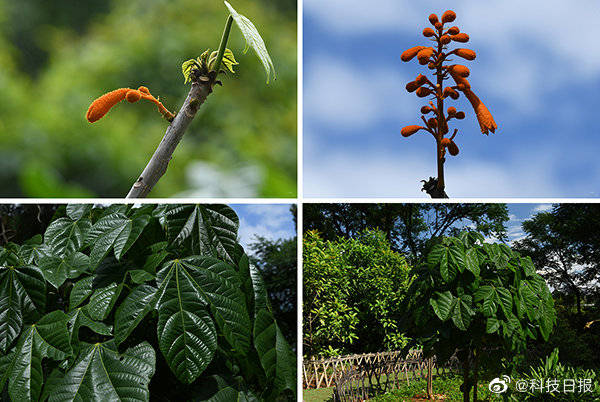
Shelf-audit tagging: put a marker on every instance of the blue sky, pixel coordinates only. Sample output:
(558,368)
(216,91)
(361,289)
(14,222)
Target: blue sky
(537,70)
(519,213)
(273,221)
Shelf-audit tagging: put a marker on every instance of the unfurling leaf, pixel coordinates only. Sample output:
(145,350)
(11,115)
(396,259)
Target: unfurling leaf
(253,40)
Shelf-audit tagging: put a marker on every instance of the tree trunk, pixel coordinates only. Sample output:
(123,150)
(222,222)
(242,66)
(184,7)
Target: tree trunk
(430,378)
(466,386)
(475,369)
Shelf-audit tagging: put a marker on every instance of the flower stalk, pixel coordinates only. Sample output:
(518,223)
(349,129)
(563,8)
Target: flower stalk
(435,58)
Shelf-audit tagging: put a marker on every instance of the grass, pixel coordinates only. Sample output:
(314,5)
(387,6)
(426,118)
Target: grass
(445,388)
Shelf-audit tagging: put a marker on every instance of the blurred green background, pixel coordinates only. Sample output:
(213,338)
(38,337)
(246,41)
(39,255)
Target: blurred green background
(57,56)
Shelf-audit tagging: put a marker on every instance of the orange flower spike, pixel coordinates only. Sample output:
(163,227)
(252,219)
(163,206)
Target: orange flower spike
(461,37)
(484,117)
(448,16)
(102,105)
(465,53)
(410,130)
(409,54)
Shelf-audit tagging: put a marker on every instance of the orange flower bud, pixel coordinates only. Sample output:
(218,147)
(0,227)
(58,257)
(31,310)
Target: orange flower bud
(424,54)
(412,86)
(451,111)
(426,109)
(484,117)
(433,19)
(448,16)
(423,92)
(428,32)
(460,115)
(445,142)
(453,148)
(144,90)
(102,105)
(461,37)
(133,96)
(408,54)
(459,69)
(431,66)
(453,30)
(450,92)
(410,130)
(465,53)
(438,25)
(432,122)
(445,39)
(421,79)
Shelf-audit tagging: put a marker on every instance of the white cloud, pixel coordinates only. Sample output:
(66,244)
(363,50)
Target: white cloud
(339,93)
(542,208)
(363,173)
(526,49)
(269,221)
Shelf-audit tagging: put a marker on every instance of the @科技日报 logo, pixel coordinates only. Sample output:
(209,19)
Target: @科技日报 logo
(499,385)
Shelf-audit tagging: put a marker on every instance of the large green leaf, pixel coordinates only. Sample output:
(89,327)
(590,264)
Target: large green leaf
(275,354)
(103,300)
(253,40)
(100,374)
(56,270)
(78,211)
(462,312)
(456,259)
(489,296)
(220,286)
(443,304)
(186,333)
(33,249)
(47,338)
(506,300)
(114,231)
(80,318)
(65,236)
(22,293)
(209,230)
(81,290)
(472,261)
(132,311)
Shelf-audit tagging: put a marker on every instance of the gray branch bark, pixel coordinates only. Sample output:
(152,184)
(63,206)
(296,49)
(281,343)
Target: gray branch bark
(157,166)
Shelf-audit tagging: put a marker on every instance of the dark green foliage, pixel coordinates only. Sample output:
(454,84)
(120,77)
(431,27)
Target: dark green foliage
(352,291)
(118,303)
(408,227)
(483,300)
(277,261)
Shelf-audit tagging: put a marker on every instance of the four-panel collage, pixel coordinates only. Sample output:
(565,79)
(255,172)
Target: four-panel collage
(319,201)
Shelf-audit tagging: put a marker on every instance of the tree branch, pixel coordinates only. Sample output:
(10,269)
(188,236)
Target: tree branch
(157,166)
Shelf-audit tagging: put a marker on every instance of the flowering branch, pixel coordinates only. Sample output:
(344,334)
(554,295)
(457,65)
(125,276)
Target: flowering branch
(434,57)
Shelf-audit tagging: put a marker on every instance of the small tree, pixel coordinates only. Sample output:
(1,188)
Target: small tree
(435,57)
(477,300)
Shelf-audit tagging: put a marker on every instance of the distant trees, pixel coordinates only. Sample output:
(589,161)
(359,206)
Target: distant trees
(565,246)
(408,227)
(352,292)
